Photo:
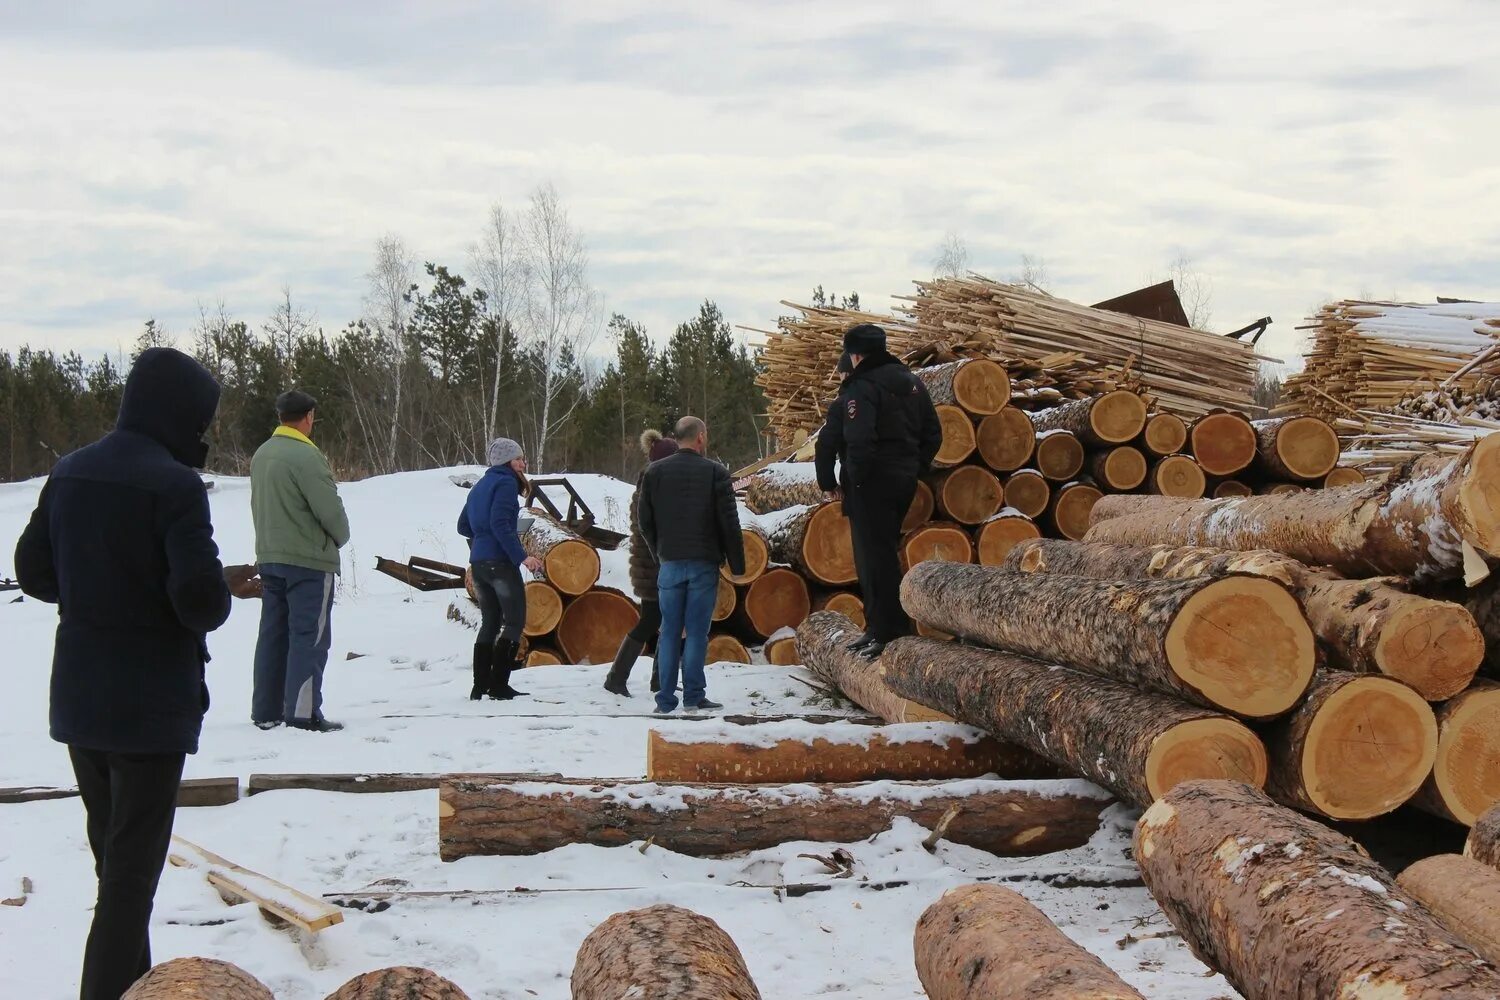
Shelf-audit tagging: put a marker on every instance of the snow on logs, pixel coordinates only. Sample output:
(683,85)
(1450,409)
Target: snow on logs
(1135,743)
(790,752)
(1368,626)
(817,543)
(1465,783)
(823,640)
(401,982)
(661,952)
(1463,894)
(783,485)
(985,942)
(704,820)
(1113,418)
(979,386)
(1240,644)
(1287,909)
(569,562)
(1423,522)
(197,979)
(1356,748)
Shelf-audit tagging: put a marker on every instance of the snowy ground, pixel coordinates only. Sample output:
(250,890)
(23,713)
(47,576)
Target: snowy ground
(404,701)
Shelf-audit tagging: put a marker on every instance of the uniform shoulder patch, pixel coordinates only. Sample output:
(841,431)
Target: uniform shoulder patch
(852,408)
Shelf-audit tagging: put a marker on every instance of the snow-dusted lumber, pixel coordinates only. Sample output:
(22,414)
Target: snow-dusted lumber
(402,982)
(822,640)
(197,979)
(568,562)
(1465,783)
(662,952)
(373,783)
(1463,894)
(276,898)
(1287,909)
(1135,743)
(985,942)
(790,752)
(783,485)
(1236,643)
(1416,524)
(702,820)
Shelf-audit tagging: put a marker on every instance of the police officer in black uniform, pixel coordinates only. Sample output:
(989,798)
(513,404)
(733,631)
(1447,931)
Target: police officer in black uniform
(884,431)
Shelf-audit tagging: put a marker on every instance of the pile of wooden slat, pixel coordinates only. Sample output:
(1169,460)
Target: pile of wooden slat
(1373,355)
(1189,371)
(1448,418)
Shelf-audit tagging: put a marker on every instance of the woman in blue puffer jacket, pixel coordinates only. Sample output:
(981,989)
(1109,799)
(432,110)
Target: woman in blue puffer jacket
(496,558)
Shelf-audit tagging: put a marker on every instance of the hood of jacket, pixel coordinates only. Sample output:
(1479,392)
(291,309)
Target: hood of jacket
(171,399)
(504,472)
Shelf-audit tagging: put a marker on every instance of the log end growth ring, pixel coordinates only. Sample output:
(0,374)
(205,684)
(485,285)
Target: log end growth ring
(1360,759)
(920,511)
(981,386)
(778,600)
(1205,748)
(1308,447)
(544,606)
(1027,491)
(1434,646)
(1000,534)
(1480,495)
(1117,417)
(1180,476)
(1244,644)
(1223,443)
(757,558)
(572,566)
(937,542)
(593,625)
(1471,733)
(828,547)
(1006,440)
(958,436)
(1059,455)
(1124,468)
(1166,434)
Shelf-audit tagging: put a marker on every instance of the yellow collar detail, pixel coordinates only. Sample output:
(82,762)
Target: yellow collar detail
(291,432)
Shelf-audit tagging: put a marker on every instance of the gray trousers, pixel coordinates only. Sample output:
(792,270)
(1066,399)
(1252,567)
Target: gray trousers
(296,629)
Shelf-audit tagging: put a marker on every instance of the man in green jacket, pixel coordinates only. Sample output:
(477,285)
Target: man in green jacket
(300,525)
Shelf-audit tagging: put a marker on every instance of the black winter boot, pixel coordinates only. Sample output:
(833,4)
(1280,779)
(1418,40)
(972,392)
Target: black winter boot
(655,677)
(629,652)
(484,658)
(506,651)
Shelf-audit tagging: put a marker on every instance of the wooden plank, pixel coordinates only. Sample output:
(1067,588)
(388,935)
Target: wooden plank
(373,783)
(192,792)
(293,906)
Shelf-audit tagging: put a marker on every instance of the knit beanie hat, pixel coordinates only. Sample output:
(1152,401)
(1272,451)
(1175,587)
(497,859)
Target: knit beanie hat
(503,451)
(656,446)
(864,340)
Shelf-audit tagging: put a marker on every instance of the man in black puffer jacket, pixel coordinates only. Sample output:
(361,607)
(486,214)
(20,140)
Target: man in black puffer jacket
(885,433)
(121,541)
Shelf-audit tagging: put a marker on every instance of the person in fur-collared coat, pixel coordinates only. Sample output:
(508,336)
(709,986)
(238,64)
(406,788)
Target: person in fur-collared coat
(643,569)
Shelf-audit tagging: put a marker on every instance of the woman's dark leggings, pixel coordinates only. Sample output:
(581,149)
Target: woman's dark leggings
(645,630)
(502,600)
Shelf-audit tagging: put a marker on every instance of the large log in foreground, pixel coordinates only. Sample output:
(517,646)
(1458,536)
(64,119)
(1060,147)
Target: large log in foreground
(1357,747)
(197,979)
(1005,818)
(789,753)
(986,942)
(1465,783)
(1463,894)
(1237,643)
(822,642)
(1287,909)
(401,982)
(662,952)
(1368,626)
(1417,523)
(1134,743)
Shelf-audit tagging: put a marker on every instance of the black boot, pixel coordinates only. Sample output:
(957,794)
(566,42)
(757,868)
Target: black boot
(506,651)
(484,657)
(629,652)
(655,677)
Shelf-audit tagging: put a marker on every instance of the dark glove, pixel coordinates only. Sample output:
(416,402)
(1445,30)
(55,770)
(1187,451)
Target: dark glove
(243,581)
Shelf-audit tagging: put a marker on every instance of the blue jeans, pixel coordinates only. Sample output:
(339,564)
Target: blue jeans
(296,629)
(687,590)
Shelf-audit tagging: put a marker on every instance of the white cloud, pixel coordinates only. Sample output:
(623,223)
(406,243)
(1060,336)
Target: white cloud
(743,152)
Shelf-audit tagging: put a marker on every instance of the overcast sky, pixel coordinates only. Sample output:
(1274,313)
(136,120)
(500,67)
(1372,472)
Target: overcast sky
(186,153)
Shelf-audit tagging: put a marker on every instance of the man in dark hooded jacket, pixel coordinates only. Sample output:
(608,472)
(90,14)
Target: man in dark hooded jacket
(884,432)
(121,541)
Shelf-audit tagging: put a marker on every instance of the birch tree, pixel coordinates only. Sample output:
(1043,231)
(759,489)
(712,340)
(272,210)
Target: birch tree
(501,271)
(388,313)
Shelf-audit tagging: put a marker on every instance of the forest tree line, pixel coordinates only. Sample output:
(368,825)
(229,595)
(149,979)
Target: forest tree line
(444,358)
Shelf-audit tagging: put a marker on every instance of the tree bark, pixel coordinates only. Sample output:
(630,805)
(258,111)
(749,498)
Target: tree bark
(1135,743)
(967,494)
(1223,442)
(593,624)
(1463,894)
(911,752)
(1072,506)
(714,820)
(1367,626)
(1165,434)
(1415,524)
(1358,747)
(1465,783)
(661,952)
(1296,448)
(402,982)
(822,640)
(937,540)
(1483,843)
(1027,491)
(1178,476)
(985,942)
(1119,469)
(1100,421)
(544,608)
(1287,909)
(817,543)
(996,537)
(783,485)
(958,437)
(778,600)
(1235,643)
(1059,455)
(1005,440)
(757,555)
(197,979)
(979,386)
(568,562)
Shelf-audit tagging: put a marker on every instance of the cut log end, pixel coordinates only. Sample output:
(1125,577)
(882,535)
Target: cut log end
(997,536)
(1028,492)
(1244,644)
(958,436)
(1343,476)
(843,602)
(1307,447)
(593,625)
(1232,488)
(724,600)
(1434,646)
(572,566)
(540,657)
(969,494)
(1223,443)
(778,600)
(544,608)
(1117,417)
(1464,784)
(1059,455)
(1071,509)
(1205,748)
(1178,476)
(920,511)
(1120,469)
(1479,496)
(1165,434)
(936,542)
(757,557)
(1368,750)
(726,649)
(981,386)
(783,652)
(1006,440)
